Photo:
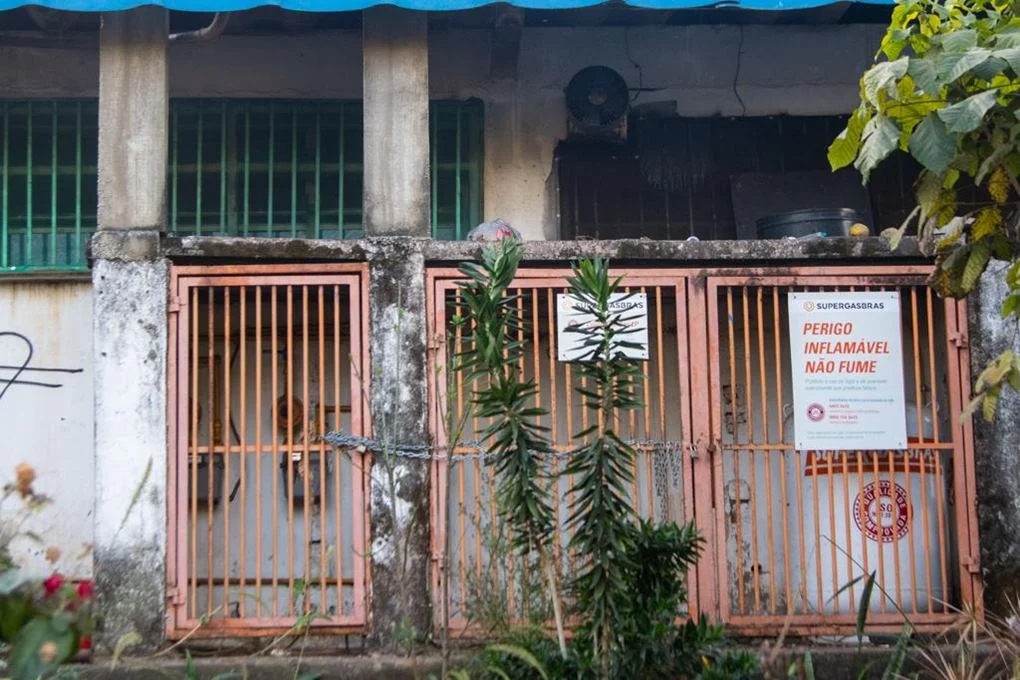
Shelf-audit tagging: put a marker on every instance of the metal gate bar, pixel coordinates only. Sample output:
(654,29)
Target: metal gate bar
(262,537)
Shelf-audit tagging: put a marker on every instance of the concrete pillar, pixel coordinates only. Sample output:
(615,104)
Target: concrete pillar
(396,101)
(133,119)
(400,486)
(130,284)
(997,463)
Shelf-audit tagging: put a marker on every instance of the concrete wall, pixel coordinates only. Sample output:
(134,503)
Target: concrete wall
(704,70)
(46,414)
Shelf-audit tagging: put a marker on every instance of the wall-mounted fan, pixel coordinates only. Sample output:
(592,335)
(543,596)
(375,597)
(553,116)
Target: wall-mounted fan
(597,100)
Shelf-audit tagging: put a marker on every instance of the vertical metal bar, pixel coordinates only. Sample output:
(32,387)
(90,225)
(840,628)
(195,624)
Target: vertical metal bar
(290,450)
(845,474)
(462,513)
(274,439)
(340,172)
(321,434)
(780,437)
(434,122)
(29,172)
(193,488)
(210,456)
(174,143)
(736,452)
(550,309)
(337,461)
(271,160)
(318,174)
(459,227)
(918,379)
(876,480)
(53,186)
(245,217)
(768,454)
(293,173)
(756,573)
(305,443)
(243,437)
(77,184)
(227,429)
(198,171)
(937,454)
(4,236)
(223,168)
(259,330)
(895,521)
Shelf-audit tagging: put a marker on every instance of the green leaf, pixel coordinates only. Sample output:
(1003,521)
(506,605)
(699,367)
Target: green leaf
(881,76)
(864,605)
(1010,305)
(11,580)
(40,648)
(967,115)
(809,666)
(924,75)
(881,138)
(950,66)
(1009,37)
(959,41)
(899,653)
(931,145)
(123,642)
(522,654)
(980,254)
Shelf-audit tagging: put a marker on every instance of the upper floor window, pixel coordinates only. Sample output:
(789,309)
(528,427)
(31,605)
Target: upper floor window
(280,168)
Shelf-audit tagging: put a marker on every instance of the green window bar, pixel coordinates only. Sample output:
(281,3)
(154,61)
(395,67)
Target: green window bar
(48,183)
(277,168)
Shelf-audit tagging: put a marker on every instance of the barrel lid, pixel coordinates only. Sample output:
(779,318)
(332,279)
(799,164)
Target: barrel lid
(811,214)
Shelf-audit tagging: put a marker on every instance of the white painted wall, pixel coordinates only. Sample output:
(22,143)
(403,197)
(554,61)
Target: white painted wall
(796,70)
(49,427)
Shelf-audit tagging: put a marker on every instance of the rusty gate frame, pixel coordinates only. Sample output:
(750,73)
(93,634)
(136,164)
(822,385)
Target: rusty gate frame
(183,278)
(697,329)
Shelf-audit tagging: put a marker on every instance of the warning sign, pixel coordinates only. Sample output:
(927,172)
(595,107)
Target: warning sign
(573,314)
(847,357)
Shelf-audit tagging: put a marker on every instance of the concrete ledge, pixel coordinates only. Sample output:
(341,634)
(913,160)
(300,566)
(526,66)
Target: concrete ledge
(125,245)
(830,663)
(629,250)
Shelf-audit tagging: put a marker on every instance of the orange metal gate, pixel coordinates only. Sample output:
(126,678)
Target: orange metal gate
(715,448)
(268,526)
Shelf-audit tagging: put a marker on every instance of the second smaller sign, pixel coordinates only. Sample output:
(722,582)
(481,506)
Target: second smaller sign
(572,313)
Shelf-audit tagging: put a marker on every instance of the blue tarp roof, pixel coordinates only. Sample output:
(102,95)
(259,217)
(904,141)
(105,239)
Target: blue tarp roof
(431,5)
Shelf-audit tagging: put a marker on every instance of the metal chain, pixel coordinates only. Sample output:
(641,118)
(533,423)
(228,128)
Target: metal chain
(346,440)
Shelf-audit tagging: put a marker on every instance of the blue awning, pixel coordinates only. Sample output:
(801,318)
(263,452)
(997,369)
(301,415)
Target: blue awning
(427,5)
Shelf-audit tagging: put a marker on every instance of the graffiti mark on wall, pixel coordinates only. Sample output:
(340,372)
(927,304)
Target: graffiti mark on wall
(20,368)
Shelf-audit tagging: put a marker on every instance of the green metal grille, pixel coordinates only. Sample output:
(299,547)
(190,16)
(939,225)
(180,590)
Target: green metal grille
(48,183)
(237,168)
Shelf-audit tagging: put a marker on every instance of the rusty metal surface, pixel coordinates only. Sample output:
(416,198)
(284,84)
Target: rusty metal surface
(267,522)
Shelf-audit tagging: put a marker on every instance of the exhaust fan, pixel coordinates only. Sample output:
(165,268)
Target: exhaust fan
(597,100)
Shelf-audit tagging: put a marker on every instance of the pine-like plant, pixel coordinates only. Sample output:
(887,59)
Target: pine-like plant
(601,516)
(517,438)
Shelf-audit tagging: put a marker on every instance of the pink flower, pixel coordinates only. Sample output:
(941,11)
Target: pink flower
(53,584)
(86,591)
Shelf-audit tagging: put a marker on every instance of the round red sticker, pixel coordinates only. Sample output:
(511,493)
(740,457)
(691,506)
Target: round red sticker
(815,412)
(882,514)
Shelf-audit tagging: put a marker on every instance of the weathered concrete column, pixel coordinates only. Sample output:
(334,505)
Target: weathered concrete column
(130,280)
(396,101)
(400,486)
(998,447)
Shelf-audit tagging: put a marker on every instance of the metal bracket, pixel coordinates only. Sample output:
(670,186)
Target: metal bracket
(175,597)
(959,340)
